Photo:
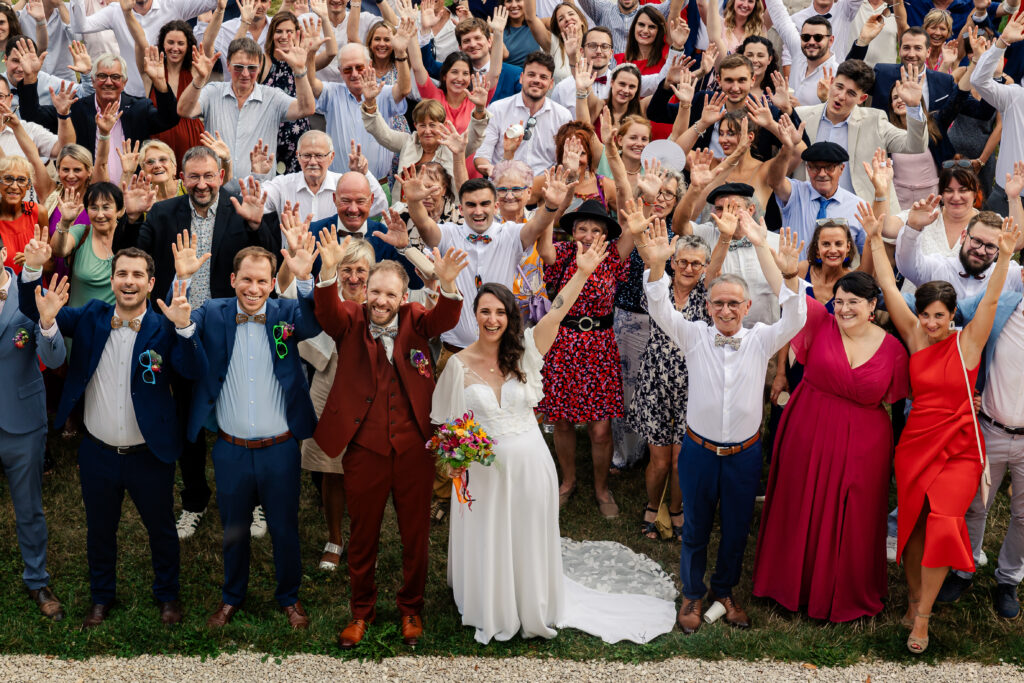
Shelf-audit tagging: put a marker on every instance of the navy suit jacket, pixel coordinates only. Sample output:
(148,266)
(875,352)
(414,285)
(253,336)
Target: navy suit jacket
(508,81)
(941,88)
(89,326)
(381,249)
(216,328)
(23,402)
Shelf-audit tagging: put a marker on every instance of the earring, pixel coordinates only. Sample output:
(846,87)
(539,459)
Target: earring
(952,325)
(871,317)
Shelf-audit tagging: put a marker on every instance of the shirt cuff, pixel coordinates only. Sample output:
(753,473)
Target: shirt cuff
(785,294)
(186,332)
(455,296)
(657,289)
(31,275)
(304,286)
(51,331)
(328,282)
(915,113)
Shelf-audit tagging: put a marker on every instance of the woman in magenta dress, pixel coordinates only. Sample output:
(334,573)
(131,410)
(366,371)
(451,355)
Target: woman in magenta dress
(822,537)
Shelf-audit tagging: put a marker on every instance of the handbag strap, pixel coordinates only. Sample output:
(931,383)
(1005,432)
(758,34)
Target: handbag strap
(970,399)
(527,289)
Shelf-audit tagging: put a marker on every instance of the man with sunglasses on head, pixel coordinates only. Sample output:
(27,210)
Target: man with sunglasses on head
(811,47)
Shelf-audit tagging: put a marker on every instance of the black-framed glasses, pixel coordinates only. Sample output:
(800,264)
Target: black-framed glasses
(602,47)
(816,37)
(682,264)
(15,180)
(977,245)
(665,196)
(961,163)
(146,360)
(531,123)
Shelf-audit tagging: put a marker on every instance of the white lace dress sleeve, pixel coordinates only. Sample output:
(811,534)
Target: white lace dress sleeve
(532,362)
(449,399)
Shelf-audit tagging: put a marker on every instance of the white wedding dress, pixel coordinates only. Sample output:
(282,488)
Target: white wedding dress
(507,567)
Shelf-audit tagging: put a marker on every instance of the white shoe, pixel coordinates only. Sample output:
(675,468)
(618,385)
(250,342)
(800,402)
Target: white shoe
(982,560)
(890,548)
(338,550)
(188,523)
(259,523)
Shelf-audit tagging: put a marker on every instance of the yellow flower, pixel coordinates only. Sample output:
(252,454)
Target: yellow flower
(460,433)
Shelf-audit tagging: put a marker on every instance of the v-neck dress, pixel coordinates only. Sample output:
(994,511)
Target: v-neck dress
(822,540)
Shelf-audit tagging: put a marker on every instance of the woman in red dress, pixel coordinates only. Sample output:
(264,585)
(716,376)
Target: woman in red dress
(18,218)
(940,457)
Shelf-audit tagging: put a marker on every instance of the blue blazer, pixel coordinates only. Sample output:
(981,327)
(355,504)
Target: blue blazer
(941,87)
(89,326)
(216,328)
(23,403)
(508,81)
(381,249)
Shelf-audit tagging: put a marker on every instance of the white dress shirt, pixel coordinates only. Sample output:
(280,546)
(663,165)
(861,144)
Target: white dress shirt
(1009,100)
(43,140)
(111,17)
(743,261)
(292,187)
(539,151)
(1002,399)
(109,410)
(919,267)
(494,262)
(726,401)
(932,241)
(803,84)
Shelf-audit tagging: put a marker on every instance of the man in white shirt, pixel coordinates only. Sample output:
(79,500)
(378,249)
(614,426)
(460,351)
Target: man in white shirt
(56,18)
(840,16)
(251,24)
(967,271)
(151,14)
(344,18)
(811,47)
(539,117)
(46,142)
(720,460)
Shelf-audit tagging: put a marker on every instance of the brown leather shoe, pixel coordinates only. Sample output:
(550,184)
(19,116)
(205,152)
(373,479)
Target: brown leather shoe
(97,615)
(170,612)
(412,629)
(296,615)
(353,634)
(735,615)
(222,615)
(48,603)
(689,615)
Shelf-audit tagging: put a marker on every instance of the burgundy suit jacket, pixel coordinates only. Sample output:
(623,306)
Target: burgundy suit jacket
(355,383)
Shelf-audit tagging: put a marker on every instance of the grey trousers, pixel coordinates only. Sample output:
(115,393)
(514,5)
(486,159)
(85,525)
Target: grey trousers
(632,330)
(22,459)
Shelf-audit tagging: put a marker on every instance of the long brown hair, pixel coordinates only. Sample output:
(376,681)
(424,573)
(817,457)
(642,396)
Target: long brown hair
(510,348)
(657,48)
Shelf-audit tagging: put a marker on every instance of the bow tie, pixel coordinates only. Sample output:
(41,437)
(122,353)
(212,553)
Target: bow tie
(741,243)
(242,318)
(601,79)
(976,277)
(827,15)
(474,238)
(722,340)
(3,295)
(134,324)
(377,331)
(356,235)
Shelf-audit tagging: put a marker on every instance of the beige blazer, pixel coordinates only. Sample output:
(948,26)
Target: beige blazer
(869,129)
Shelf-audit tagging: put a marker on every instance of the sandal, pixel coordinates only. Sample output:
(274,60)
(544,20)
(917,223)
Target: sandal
(677,530)
(331,549)
(564,496)
(918,645)
(908,622)
(649,529)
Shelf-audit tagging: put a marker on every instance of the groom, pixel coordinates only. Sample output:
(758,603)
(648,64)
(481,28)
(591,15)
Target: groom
(378,418)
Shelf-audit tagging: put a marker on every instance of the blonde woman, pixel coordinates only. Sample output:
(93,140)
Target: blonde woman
(740,20)
(938,24)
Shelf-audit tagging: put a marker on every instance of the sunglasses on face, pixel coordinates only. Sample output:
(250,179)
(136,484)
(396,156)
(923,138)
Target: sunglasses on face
(348,70)
(815,37)
(245,68)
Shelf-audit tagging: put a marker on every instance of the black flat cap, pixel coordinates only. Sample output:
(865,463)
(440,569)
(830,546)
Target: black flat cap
(825,153)
(731,190)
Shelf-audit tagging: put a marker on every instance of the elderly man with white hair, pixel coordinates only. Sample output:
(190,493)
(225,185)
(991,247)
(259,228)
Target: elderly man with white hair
(340,102)
(312,188)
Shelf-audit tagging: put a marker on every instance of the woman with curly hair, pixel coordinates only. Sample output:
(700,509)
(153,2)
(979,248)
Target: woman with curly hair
(761,53)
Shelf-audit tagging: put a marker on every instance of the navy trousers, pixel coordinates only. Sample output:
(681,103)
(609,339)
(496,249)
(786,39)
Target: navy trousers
(105,476)
(707,480)
(22,459)
(247,477)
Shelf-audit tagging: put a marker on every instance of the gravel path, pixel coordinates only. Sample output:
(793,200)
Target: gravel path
(248,667)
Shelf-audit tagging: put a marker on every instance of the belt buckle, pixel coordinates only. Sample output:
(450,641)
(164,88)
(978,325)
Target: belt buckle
(585,319)
(123,450)
(719,450)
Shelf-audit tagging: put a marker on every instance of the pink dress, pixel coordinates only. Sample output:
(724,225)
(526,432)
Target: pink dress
(822,540)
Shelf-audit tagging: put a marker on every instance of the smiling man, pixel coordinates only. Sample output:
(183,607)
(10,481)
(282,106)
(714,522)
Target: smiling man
(810,46)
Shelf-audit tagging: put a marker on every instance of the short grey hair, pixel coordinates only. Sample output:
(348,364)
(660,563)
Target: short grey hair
(352,46)
(693,242)
(199,152)
(312,135)
(109,58)
(513,166)
(730,279)
(671,174)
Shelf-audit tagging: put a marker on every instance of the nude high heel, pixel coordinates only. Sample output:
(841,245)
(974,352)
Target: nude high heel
(918,645)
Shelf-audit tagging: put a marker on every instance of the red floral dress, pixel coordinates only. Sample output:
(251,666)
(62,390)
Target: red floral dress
(582,375)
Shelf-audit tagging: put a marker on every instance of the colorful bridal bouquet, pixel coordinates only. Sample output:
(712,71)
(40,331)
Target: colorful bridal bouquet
(457,444)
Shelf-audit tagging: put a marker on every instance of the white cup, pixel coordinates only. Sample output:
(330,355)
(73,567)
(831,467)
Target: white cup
(715,612)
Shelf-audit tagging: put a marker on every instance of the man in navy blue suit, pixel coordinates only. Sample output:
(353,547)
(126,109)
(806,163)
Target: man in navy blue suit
(23,433)
(120,369)
(939,88)
(256,392)
(475,39)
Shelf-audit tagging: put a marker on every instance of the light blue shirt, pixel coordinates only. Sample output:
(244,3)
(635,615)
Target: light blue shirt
(838,133)
(801,212)
(345,122)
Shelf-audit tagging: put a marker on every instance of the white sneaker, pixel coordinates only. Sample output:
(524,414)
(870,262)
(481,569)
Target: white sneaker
(188,523)
(259,523)
(890,548)
(982,560)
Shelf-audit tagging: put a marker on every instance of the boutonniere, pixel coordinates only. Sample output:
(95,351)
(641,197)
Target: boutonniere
(20,338)
(152,364)
(420,362)
(282,331)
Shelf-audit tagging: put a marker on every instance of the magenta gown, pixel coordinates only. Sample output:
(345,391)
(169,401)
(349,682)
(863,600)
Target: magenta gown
(822,540)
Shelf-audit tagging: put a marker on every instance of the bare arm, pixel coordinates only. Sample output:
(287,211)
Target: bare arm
(538,28)
(213,28)
(546,330)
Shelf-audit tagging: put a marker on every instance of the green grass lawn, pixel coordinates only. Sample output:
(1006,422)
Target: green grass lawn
(968,630)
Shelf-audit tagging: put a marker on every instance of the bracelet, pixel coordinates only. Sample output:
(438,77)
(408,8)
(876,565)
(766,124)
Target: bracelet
(642,245)
(582,94)
(62,232)
(889,240)
(786,276)
(100,136)
(64,117)
(197,87)
(243,22)
(550,209)
(300,75)
(402,59)
(881,199)
(31,269)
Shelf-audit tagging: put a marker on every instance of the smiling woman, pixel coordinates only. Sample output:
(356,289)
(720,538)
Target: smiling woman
(18,218)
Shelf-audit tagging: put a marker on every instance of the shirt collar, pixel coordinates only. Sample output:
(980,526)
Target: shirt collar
(255,96)
(824,118)
(99,110)
(363,229)
(211,212)
(815,195)
(6,287)
(263,308)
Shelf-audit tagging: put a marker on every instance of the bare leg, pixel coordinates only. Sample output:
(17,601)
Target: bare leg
(913,552)
(565,451)
(931,582)
(332,493)
(656,472)
(601,451)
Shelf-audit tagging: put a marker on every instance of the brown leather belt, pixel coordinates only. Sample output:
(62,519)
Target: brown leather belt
(255,443)
(451,347)
(722,450)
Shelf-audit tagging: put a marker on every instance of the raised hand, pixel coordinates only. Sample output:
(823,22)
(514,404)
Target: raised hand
(311,37)
(1014,184)
(37,252)
(557,186)
(295,55)
(678,32)
(63,98)
(779,93)
(1008,238)
(294,227)
(880,172)
(139,195)
(760,111)
(180,311)
(35,9)
(1014,30)
(453,139)
(332,252)
(250,209)
(589,258)
(584,74)
(478,95)
(215,143)
(202,65)
(319,8)
(447,267)
(699,162)
(787,258)
(709,59)
(81,62)
(70,204)
(247,11)
(402,36)
(300,261)
(950,54)
(657,249)
(755,231)
(108,118)
(979,43)
(371,86)
(651,180)
(572,153)
(461,12)
(729,221)
(187,261)
(31,63)
(414,187)
(398,232)
(510,145)
(825,84)
(684,89)
(428,17)
(872,225)
(872,27)
(632,218)
(154,65)
(909,87)
(714,109)
(924,212)
(50,302)
(356,161)
(129,156)
(498,20)
(790,135)
(261,160)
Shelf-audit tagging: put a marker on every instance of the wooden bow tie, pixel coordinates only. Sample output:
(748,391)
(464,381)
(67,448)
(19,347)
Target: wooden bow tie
(134,324)
(242,318)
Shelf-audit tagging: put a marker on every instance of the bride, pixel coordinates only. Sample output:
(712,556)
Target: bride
(505,559)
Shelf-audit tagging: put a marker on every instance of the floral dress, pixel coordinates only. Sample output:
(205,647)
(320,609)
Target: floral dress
(281,77)
(658,409)
(397,122)
(582,375)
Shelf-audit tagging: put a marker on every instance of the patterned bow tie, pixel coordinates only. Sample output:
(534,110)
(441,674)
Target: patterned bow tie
(135,324)
(601,79)
(377,331)
(3,295)
(722,340)
(242,318)
(741,243)
(474,238)
(976,277)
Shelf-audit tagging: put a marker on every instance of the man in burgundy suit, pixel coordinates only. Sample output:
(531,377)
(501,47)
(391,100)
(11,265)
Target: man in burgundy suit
(378,416)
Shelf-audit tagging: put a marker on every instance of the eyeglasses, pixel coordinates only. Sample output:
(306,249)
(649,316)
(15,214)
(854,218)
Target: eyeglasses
(835,222)
(688,265)
(962,163)
(510,190)
(531,123)
(732,305)
(319,157)
(358,68)
(599,47)
(195,177)
(12,180)
(157,160)
(245,68)
(280,348)
(815,168)
(6,96)
(146,360)
(815,37)
(113,78)
(978,245)
(665,195)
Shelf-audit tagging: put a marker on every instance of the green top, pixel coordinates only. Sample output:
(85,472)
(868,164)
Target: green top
(90,275)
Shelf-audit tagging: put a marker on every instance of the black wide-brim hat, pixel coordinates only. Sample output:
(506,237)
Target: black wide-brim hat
(591,209)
